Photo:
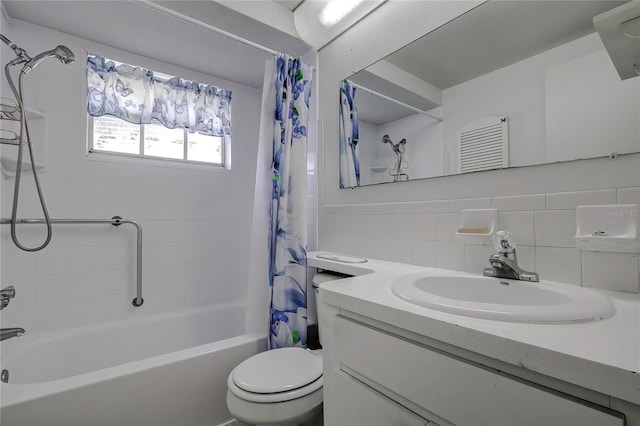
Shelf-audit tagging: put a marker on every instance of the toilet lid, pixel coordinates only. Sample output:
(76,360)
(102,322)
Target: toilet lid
(278,370)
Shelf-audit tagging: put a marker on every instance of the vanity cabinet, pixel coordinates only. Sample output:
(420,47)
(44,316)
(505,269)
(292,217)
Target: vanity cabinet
(404,382)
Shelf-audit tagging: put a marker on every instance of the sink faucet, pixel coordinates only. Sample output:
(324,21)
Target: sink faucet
(7,333)
(504,264)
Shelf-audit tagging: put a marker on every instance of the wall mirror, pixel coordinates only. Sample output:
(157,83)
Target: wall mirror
(507,84)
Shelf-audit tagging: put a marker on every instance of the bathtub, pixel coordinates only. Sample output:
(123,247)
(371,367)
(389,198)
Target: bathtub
(167,369)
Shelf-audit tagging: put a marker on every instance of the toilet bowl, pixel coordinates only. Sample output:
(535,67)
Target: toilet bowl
(279,387)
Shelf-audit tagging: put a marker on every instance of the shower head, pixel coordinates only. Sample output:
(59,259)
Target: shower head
(63,53)
(386,139)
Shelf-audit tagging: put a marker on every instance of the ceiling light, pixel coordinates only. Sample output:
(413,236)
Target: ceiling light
(336,10)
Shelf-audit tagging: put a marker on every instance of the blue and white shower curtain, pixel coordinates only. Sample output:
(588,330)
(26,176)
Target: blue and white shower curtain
(288,234)
(348,136)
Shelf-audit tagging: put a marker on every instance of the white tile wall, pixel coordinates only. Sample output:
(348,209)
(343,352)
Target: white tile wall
(544,226)
(196,222)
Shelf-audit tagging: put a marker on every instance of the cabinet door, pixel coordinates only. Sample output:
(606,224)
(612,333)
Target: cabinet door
(355,404)
(463,393)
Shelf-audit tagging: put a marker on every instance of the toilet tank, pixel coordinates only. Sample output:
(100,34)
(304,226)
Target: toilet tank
(325,312)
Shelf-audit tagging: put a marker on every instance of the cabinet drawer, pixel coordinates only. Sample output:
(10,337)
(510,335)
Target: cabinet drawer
(355,404)
(458,391)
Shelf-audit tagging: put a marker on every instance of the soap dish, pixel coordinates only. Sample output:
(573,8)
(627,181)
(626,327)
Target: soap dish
(610,228)
(477,226)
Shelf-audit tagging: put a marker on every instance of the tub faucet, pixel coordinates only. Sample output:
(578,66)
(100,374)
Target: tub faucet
(504,264)
(7,333)
(6,294)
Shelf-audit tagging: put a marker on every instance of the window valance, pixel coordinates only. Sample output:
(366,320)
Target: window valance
(135,95)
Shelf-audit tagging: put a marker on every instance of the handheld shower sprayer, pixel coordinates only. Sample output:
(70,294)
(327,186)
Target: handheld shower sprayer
(64,55)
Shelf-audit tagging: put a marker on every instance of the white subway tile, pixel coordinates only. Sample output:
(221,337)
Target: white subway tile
(469,203)
(402,251)
(17,315)
(610,271)
(629,195)
(425,253)
(476,257)
(519,202)
(450,255)
(558,264)
(53,288)
(555,228)
(448,224)
(54,260)
(338,223)
(17,264)
(396,226)
(387,208)
(527,257)
(425,226)
(571,200)
(341,209)
(364,225)
(438,206)
(520,224)
(54,316)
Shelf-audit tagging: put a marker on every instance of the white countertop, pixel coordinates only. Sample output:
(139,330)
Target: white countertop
(601,355)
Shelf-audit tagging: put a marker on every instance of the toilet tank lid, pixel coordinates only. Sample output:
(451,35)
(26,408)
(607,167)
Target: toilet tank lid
(322,277)
(278,370)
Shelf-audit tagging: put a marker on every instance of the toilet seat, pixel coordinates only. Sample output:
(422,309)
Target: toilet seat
(277,375)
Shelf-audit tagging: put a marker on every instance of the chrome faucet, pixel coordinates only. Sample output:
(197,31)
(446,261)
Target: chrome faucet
(6,294)
(504,264)
(8,333)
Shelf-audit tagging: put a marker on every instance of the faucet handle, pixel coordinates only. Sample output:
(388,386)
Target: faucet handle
(6,294)
(504,242)
(9,292)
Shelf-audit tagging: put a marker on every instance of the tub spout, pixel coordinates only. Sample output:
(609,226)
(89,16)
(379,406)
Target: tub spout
(7,333)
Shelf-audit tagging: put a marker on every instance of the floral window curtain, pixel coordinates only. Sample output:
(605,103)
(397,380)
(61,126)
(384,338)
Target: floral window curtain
(349,163)
(135,95)
(288,235)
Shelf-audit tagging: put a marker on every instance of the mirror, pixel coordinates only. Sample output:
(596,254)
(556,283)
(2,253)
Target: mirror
(507,84)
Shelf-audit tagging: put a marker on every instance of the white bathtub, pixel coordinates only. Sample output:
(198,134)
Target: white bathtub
(168,369)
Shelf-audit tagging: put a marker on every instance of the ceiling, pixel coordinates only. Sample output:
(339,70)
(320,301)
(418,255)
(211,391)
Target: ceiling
(135,28)
(289,4)
(494,35)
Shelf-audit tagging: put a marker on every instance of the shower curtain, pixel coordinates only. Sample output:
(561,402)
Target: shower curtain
(348,137)
(288,234)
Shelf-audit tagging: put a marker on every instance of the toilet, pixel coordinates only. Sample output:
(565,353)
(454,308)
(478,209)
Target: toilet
(281,386)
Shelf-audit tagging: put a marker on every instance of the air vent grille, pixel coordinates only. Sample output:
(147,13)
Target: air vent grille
(484,145)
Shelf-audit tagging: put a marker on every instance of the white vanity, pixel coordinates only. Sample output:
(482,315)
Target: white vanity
(392,362)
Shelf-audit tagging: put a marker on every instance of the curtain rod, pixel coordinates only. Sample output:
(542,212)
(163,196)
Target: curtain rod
(189,20)
(192,21)
(373,92)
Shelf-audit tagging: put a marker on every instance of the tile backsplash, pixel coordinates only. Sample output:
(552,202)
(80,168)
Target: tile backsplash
(423,233)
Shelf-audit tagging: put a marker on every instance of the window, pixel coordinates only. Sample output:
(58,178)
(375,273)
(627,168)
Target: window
(116,136)
(137,112)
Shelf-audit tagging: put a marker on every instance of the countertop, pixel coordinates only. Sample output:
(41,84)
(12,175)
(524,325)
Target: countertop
(600,355)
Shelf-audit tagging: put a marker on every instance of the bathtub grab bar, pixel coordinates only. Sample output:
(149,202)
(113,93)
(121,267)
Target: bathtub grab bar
(115,221)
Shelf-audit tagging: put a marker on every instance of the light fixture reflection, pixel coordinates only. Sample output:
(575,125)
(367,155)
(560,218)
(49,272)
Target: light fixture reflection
(336,10)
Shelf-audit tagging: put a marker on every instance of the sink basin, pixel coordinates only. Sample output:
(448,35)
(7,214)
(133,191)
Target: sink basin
(502,299)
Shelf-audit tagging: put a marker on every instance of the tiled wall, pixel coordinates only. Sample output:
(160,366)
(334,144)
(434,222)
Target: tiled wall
(196,221)
(423,233)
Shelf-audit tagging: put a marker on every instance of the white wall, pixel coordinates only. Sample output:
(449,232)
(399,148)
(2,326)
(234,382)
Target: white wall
(196,221)
(562,105)
(357,221)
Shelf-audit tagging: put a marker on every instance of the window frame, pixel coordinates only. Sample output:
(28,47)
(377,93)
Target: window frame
(142,156)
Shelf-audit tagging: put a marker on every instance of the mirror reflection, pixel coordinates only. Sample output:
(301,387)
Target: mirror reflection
(508,84)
